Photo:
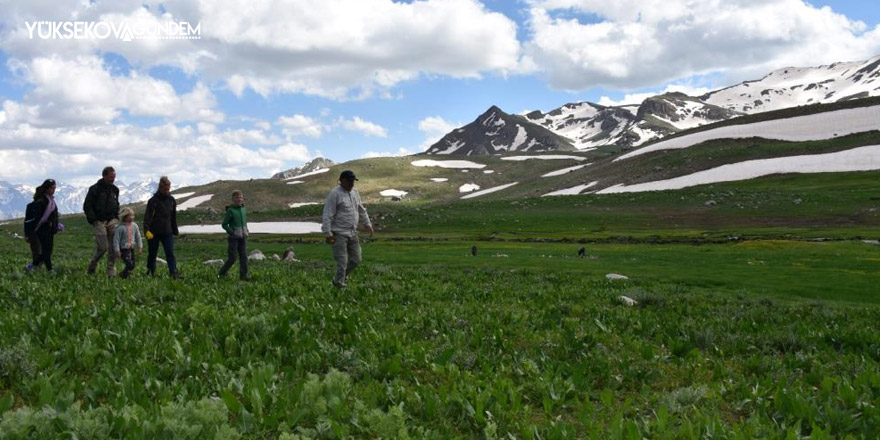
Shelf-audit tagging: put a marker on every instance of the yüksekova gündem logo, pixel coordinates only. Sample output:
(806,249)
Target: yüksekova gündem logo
(103,30)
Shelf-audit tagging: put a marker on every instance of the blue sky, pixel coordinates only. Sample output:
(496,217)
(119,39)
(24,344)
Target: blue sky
(267,88)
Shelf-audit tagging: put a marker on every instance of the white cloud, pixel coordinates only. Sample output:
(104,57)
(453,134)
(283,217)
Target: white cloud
(327,48)
(434,128)
(81,90)
(640,43)
(400,152)
(242,136)
(29,153)
(340,49)
(637,98)
(299,125)
(288,153)
(206,128)
(263,125)
(366,127)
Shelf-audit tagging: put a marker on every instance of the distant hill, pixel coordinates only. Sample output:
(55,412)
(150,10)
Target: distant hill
(842,136)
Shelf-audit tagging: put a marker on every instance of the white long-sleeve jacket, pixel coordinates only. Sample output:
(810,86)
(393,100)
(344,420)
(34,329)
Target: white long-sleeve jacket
(343,212)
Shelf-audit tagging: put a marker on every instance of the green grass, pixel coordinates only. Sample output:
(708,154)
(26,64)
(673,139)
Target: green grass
(756,339)
(746,326)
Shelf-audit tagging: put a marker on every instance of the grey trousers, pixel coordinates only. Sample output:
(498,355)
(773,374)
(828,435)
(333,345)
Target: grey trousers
(237,247)
(347,253)
(104,230)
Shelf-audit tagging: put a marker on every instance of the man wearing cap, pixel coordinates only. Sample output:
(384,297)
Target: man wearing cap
(343,212)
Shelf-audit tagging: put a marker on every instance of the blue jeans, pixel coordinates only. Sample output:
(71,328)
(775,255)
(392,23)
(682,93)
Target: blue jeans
(153,250)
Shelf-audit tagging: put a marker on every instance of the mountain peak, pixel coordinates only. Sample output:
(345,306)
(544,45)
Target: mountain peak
(495,132)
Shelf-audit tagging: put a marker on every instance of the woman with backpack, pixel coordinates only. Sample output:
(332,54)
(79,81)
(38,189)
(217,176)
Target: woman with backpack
(41,224)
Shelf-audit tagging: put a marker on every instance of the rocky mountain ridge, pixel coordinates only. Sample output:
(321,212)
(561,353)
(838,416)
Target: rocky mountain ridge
(587,126)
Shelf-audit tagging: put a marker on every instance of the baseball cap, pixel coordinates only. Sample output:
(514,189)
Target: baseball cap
(347,174)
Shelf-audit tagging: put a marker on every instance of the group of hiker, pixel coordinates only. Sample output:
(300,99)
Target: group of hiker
(118,235)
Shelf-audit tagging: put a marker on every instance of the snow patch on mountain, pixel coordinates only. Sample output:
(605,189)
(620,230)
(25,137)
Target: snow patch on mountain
(193,202)
(311,173)
(392,193)
(793,86)
(818,126)
(259,228)
(575,190)
(856,159)
(543,157)
(468,187)
(488,191)
(565,170)
(447,163)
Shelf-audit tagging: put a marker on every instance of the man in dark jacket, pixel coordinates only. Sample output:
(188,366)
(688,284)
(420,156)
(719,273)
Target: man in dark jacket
(102,212)
(160,224)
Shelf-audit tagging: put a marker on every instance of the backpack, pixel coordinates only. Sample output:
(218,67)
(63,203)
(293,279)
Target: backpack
(32,216)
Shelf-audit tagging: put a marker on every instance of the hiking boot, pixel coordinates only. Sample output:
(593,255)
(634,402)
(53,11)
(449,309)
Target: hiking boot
(245,277)
(177,276)
(339,286)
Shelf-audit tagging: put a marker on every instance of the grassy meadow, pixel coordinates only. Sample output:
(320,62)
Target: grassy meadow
(756,317)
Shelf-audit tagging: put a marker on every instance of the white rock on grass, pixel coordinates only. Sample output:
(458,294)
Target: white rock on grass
(213,262)
(627,301)
(159,260)
(276,257)
(616,276)
(289,255)
(256,254)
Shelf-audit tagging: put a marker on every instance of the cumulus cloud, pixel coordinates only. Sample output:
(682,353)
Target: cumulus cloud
(81,90)
(365,127)
(300,125)
(640,43)
(434,128)
(28,153)
(342,49)
(400,152)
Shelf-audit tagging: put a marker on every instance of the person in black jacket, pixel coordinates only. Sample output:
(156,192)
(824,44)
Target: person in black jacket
(160,224)
(41,225)
(102,212)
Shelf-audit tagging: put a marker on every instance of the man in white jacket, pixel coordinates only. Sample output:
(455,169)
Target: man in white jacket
(343,212)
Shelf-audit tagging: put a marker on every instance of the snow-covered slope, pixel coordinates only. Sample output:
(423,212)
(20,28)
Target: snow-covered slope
(586,126)
(590,125)
(14,198)
(855,159)
(818,126)
(311,166)
(793,86)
